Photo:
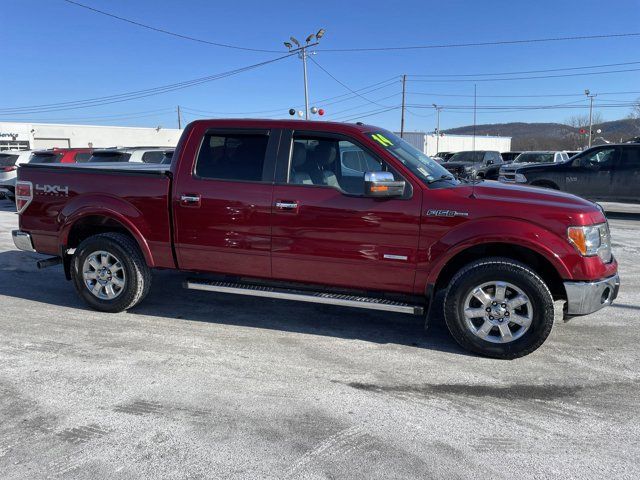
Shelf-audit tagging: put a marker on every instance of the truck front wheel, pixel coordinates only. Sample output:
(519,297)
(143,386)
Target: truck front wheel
(110,273)
(498,308)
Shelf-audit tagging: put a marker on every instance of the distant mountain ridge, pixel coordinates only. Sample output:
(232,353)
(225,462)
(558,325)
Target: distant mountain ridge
(553,136)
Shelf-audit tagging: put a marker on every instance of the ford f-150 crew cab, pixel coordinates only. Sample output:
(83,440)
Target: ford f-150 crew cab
(269,208)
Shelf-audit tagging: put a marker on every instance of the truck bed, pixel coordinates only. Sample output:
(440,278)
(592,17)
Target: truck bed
(134,195)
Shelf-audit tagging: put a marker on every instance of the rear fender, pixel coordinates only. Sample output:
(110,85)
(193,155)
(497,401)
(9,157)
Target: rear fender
(109,207)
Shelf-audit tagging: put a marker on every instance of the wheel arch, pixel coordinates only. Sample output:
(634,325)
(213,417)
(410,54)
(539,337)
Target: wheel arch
(523,254)
(85,224)
(545,183)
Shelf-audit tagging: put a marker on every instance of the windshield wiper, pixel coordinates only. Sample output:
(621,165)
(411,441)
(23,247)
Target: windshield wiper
(442,177)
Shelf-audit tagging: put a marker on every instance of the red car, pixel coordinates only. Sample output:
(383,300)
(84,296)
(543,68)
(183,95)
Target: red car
(61,155)
(329,213)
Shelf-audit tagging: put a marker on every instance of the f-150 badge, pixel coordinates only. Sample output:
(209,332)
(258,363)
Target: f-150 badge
(446,213)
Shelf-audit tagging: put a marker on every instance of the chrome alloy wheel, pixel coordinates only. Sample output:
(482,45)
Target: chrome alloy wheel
(498,312)
(103,275)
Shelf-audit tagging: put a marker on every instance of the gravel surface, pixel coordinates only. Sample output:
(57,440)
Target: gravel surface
(197,385)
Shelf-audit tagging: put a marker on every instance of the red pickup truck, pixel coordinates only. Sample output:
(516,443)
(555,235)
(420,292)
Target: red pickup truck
(344,214)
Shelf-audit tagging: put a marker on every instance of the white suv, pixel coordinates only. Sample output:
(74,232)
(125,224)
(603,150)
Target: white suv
(9,161)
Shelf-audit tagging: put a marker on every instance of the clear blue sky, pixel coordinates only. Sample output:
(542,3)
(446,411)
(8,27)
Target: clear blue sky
(57,52)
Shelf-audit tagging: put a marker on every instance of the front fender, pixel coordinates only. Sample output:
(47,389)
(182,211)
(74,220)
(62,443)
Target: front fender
(492,230)
(110,207)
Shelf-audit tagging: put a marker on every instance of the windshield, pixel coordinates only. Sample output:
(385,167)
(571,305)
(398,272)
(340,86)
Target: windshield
(470,157)
(424,167)
(534,157)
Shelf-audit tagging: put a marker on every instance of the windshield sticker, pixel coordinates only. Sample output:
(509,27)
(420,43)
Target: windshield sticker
(382,140)
(424,171)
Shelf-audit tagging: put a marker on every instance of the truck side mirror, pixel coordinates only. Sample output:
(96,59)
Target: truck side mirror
(382,184)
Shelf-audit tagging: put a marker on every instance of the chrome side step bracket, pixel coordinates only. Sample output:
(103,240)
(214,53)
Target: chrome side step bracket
(305,296)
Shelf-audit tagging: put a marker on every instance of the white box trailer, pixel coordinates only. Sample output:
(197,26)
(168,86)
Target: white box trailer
(33,136)
(431,144)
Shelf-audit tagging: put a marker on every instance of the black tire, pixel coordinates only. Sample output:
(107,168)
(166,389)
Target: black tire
(137,274)
(503,270)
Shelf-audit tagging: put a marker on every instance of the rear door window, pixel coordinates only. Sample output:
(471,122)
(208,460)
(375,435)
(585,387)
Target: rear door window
(232,156)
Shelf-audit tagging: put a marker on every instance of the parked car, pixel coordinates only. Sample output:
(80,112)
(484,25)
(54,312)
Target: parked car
(606,172)
(9,162)
(475,164)
(263,208)
(130,154)
(530,158)
(509,157)
(444,156)
(61,155)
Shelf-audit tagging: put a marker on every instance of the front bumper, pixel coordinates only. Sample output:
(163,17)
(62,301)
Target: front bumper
(22,240)
(588,297)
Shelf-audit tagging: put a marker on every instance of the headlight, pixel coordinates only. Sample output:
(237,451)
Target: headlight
(520,178)
(592,240)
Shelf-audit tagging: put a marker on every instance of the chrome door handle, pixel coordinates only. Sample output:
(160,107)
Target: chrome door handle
(287,205)
(190,199)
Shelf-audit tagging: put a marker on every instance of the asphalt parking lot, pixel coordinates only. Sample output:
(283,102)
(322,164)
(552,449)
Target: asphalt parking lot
(197,385)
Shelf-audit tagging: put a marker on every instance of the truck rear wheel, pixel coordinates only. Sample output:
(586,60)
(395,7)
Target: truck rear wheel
(498,308)
(110,273)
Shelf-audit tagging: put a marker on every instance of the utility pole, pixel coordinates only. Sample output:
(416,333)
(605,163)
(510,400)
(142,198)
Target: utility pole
(301,50)
(437,127)
(404,84)
(179,119)
(475,103)
(591,97)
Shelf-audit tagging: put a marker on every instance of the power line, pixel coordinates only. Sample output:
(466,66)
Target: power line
(123,97)
(345,97)
(522,107)
(344,84)
(525,71)
(362,105)
(482,44)
(519,96)
(348,118)
(167,32)
(527,78)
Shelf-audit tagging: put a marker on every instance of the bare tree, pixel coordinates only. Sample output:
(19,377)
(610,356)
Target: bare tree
(582,120)
(635,111)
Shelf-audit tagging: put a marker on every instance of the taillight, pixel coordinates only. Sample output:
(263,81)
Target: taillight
(24,195)
(9,169)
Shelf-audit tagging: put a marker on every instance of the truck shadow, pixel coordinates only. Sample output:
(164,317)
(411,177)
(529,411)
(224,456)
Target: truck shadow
(19,278)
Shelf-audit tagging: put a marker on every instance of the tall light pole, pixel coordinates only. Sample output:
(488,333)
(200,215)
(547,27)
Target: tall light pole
(302,54)
(404,89)
(437,127)
(591,97)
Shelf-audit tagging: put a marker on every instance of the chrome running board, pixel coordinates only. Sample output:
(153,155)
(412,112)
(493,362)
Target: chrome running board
(305,296)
